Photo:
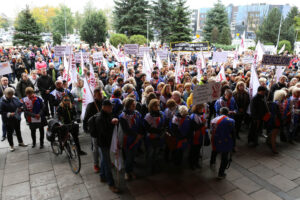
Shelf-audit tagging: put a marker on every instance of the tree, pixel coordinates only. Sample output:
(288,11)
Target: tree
(117,38)
(162,22)
(225,36)
(56,38)
(268,30)
(216,17)
(214,35)
(180,30)
(58,22)
(27,30)
(43,16)
(297,26)
(138,39)
(4,22)
(130,17)
(288,26)
(94,28)
(288,46)
(78,20)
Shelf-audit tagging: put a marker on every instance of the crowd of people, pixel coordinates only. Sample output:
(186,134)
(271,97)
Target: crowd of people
(157,115)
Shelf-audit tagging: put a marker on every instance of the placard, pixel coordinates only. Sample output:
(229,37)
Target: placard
(220,57)
(85,56)
(189,46)
(5,68)
(142,50)
(206,93)
(97,57)
(131,49)
(276,60)
(163,54)
(60,51)
(248,60)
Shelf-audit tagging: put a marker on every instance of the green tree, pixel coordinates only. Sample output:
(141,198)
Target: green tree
(56,38)
(43,16)
(162,22)
(288,26)
(117,38)
(93,29)
(63,15)
(216,17)
(138,39)
(78,20)
(4,22)
(130,17)
(27,30)
(288,46)
(214,35)
(180,30)
(297,26)
(225,36)
(268,30)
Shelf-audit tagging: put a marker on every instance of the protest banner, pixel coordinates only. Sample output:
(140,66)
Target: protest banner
(206,93)
(60,51)
(276,60)
(5,68)
(163,54)
(142,50)
(189,46)
(85,55)
(131,49)
(220,57)
(97,57)
(248,60)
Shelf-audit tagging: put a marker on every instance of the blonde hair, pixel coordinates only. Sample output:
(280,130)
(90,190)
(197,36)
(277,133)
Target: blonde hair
(279,95)
(183,110)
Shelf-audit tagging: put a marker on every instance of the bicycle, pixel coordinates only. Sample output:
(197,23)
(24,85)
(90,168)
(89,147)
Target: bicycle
(63,141)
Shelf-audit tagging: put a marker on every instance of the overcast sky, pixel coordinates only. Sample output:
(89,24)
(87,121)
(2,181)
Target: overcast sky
(12,7)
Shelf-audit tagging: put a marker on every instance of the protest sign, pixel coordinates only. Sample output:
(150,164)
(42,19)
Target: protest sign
(189,46)
(276,60)
(248,60)
(163,54)
(60,51)
(206,93)
(85,55)
(142,50)
(97,57)
(5,68)
(220,57)
(131,48)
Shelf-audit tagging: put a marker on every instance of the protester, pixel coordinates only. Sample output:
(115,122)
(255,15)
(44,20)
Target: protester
(22,85)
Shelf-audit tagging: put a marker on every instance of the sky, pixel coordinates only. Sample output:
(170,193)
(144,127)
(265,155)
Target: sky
(12,7)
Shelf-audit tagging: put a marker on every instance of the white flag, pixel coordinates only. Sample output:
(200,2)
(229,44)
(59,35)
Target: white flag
(254,83)
(259,51)
(199,67)
(115,53)
(146,67)
(242,45)
(73,71)
(221,75)
(158,62)
(235,60)
(116,147)
(93,83)
(105,63)
(126,75)
(82,63)
(177,70)
(282,49)
(87,97)
(279,72)
(169,62)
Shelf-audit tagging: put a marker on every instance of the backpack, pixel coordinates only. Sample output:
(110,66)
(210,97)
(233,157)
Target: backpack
(92,125)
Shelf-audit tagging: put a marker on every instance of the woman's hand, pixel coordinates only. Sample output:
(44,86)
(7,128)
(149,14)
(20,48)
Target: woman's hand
(115,121)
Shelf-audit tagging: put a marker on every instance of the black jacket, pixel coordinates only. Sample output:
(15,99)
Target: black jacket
(104,129)
(258,107)
(9,106)
(2,89)
(49,72)
(66,115)
(277,86)
(45,83)
(21,87)
(90,111)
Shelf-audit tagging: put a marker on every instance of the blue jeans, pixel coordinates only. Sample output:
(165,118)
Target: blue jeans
(105,169)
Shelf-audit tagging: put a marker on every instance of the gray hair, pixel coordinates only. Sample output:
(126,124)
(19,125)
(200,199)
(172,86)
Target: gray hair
(9,90)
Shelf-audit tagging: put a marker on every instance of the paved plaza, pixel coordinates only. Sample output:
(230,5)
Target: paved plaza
(255,174)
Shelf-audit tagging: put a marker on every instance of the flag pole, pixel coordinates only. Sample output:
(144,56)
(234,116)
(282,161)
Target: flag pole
(279,31)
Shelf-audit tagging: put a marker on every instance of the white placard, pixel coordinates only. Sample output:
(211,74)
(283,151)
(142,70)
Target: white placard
(142,50)
(206,93)
(131,49)
(85,55)
(220,57)
(60,51)
(97,57)
(248,60)
(5,68)
(163,54)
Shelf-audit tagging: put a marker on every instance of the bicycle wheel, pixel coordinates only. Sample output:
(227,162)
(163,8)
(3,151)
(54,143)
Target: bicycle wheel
(55,146)
(73,156)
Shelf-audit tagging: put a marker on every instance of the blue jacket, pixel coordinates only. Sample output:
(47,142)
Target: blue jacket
(222,102)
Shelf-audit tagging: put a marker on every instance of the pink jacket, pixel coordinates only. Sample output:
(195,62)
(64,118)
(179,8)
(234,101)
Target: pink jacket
(40,65)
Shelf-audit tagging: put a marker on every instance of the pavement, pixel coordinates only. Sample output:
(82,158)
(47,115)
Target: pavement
(255,174)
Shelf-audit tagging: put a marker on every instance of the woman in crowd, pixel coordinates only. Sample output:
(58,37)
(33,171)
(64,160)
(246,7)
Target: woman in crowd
(166,94)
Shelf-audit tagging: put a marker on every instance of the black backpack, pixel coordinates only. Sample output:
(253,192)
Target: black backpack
(92,125)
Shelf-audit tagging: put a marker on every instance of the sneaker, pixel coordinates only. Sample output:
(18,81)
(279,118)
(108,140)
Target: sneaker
(127,177)
(96,169)
(221,176)
(3,138)
(82,153)
(23,145)
(12,149)
(114,189)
